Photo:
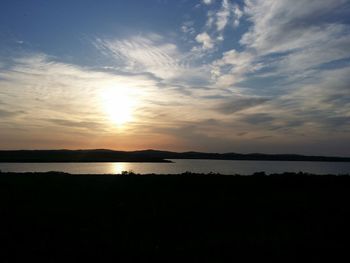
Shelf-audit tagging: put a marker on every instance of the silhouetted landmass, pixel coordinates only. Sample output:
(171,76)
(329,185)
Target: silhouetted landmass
(148,156)
(46,156)
(57,217)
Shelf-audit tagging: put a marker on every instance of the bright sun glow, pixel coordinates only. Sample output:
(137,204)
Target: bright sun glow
(118,104)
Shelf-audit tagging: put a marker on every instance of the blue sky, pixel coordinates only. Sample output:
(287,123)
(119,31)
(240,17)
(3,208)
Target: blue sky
(219,75)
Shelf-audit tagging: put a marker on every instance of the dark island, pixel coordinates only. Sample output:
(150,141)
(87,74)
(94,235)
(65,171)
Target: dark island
(102,155)
(57,217)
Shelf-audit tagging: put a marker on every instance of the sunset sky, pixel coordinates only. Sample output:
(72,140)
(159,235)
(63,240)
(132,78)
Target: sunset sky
(268,76)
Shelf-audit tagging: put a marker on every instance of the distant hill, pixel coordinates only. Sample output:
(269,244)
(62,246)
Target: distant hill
(102,155)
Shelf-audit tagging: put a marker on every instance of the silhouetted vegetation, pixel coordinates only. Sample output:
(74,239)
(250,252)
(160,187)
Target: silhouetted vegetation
(56,217)
(148,156)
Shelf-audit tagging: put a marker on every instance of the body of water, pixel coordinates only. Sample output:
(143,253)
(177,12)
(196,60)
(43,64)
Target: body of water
(181,166)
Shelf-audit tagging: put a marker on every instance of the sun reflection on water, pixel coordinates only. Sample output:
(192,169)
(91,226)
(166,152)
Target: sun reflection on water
(118,168)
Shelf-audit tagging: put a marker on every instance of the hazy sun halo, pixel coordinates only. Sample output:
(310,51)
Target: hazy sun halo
(118,104)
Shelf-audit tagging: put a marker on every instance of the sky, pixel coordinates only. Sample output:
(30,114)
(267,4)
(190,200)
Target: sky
(269,76)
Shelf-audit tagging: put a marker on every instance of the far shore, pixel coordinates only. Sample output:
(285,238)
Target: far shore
(153,156)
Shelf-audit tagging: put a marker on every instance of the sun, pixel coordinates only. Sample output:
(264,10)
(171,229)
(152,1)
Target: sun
(119,105)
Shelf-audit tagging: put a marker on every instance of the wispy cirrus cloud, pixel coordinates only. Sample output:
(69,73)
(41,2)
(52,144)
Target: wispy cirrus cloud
(153,54)
(280,26)
(140,53)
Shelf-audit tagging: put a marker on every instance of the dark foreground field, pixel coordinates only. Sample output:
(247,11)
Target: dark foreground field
(63,218)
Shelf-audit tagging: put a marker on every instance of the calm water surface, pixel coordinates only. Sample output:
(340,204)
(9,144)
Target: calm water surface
(180,166)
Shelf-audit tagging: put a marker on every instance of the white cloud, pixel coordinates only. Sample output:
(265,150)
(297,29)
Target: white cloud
(315,100)
(208,2)
(238,13)
(322,104)
(205,40)
(283,25)
(312,57)
(188,28)
(232,67)
(210,19)
(217,21)
(223,15)
(298,33)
